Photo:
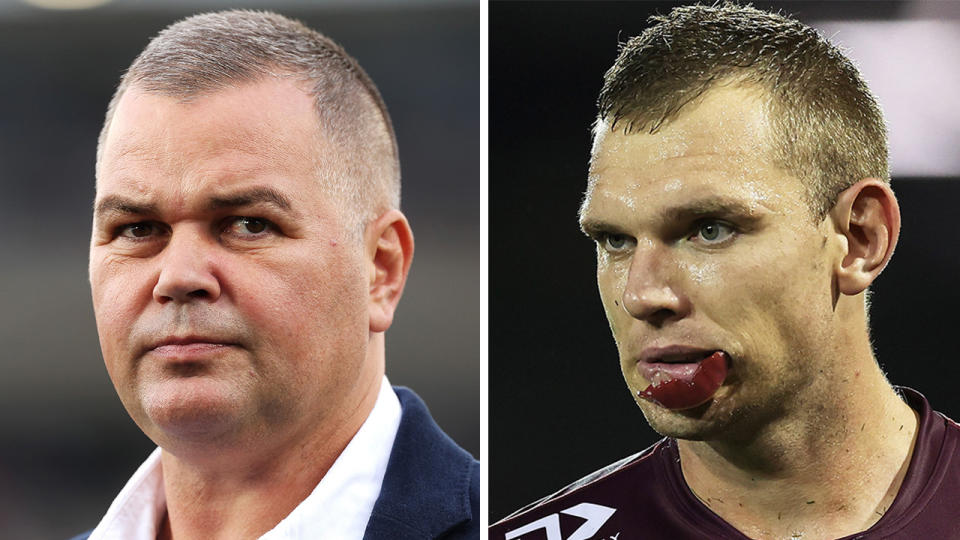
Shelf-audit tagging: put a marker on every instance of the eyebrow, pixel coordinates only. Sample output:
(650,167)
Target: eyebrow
(253,196)
(592,226)
(118,204)
(709,207)
(684,212)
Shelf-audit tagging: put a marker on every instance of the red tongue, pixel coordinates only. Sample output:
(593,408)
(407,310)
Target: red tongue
(676,394)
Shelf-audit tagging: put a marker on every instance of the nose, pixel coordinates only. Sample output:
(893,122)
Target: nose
(652,292)
(186,271)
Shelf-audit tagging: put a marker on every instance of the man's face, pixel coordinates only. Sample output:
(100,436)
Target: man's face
(230,293)
(703,244)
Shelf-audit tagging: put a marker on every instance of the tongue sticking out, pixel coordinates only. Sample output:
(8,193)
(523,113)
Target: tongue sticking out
(679,394)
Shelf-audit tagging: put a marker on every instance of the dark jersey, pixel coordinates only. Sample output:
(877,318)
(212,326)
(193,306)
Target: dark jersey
(645,496)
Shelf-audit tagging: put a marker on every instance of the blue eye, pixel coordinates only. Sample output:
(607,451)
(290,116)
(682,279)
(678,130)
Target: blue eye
(615,243)
(713,232)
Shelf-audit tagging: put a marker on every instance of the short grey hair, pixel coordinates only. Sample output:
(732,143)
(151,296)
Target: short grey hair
(208,52)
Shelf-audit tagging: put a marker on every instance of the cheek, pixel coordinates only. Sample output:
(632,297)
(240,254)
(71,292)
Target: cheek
(306,307)
(119,291)
(771,306)
(711,275)
(611,281)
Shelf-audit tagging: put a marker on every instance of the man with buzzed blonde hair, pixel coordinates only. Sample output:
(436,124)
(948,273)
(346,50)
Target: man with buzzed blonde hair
(247,256)
(739,201)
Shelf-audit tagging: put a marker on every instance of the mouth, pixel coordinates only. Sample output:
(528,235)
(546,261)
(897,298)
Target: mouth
(682,378)
(188,348)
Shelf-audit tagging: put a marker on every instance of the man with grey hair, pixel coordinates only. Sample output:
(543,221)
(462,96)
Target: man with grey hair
(247,256)
(738,198)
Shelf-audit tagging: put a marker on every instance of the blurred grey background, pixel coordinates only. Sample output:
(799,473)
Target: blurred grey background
(66,444)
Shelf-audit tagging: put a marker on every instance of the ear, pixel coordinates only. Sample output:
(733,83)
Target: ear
(868,217)
(389,249)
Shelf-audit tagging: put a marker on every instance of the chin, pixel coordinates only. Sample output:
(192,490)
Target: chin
(701,423)
(197,411)
(671,424)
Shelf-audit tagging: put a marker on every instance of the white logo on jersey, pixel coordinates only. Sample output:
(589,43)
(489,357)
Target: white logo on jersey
(595,515)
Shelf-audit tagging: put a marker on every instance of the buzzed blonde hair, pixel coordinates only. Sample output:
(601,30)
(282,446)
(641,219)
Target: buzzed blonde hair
(209,52)
(828,129)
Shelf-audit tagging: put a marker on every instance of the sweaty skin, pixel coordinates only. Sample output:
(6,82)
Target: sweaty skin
(677,394)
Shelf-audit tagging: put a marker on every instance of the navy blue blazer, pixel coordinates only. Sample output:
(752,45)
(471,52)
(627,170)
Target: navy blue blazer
(431,489)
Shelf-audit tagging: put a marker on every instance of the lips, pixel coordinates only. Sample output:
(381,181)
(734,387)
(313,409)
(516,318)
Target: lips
(687,381)
(189,348)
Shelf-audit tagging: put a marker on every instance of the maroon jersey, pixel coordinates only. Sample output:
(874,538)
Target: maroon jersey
(645,496)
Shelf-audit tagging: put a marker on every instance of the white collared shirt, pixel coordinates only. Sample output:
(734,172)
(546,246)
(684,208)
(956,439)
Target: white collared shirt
(338,508)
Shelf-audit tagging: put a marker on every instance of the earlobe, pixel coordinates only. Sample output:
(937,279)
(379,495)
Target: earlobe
(389,243)
(868,216)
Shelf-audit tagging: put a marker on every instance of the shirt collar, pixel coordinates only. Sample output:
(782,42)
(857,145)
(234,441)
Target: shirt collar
(339,507)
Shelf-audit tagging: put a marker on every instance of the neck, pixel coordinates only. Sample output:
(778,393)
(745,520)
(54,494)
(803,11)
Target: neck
(827,470)
(249,491)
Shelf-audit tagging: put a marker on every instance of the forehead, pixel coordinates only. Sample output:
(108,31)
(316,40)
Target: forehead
(257,127)
(718,147)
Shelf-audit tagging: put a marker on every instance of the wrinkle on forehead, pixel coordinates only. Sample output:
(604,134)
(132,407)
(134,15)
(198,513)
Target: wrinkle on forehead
(236,140)
(720,141)
(140,135)
(715,123)
(699,184)
(238,154)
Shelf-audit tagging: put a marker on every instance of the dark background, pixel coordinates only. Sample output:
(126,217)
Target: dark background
(558,406)
(66,444)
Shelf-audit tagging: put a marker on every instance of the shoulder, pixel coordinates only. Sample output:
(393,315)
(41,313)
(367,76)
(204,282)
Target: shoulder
(420,438)
(595,497)
(950,448)
(83,536)
(603,475)
(925,507)
(432,486)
